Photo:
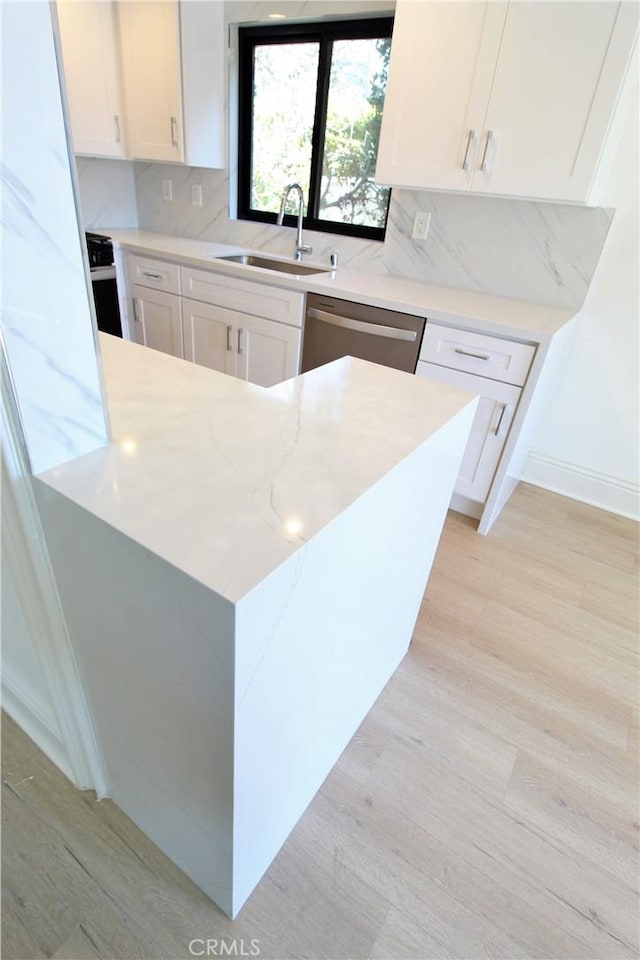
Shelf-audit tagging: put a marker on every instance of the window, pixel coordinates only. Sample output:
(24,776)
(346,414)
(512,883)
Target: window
(310,109)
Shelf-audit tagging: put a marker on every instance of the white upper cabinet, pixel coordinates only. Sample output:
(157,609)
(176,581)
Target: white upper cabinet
(149,72)
(203,81)
(150,51)
(513,99)
(557,79)
(442,63)
(89,51)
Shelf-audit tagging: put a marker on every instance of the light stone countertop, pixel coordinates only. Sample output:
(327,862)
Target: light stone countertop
(519,319)
(226,480)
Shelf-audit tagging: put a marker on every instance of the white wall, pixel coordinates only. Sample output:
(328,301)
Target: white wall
(587,445)
(26,694)
(41,686)
(21,671)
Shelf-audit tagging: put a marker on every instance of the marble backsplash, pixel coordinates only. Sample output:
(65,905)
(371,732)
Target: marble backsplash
(543,252)
(107,192)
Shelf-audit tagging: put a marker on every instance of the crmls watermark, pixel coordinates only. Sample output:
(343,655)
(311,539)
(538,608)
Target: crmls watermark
(224,948)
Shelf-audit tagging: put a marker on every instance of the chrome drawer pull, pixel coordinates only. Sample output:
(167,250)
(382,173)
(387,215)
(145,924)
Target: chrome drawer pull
(361,326)
(174,132)
(470,139)
(151,276)
(229,347)
(239,341)
(469,353)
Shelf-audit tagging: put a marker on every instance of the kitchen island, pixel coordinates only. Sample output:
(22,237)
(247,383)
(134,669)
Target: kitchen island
(241,570)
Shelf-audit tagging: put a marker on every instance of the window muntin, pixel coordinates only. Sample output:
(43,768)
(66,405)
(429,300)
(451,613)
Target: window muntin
(330,146)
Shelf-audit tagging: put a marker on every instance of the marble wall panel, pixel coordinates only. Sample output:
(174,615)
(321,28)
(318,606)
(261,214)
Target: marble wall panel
(47,328)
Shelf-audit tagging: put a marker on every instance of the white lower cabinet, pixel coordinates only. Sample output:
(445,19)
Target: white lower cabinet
(156,320)
(497,405)
(207,335)
(267,352)
(261,351)
(261,342)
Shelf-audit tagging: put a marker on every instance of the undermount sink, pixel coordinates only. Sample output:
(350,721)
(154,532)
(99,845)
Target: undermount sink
(282,266)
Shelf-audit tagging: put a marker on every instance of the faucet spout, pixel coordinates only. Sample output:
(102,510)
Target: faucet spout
(300,247)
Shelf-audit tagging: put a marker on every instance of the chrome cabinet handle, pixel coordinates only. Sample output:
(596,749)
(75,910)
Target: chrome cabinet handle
(361,326)
(135,310)
(239,341)
(174,132)
(498,430)
(152,276)
(469,353)
(116,123)
(229,347)
(470,139)
(483,165)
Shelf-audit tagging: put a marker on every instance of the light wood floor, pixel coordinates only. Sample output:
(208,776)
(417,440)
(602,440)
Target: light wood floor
(487,807)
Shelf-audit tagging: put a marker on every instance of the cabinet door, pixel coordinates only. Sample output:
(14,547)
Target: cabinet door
(208,335)
(443,58)
(489,430)
(88,39)
(557,79)
(267,352)
(157,320)
(150,49)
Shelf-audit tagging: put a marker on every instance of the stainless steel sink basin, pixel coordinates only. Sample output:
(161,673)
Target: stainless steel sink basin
(281,266)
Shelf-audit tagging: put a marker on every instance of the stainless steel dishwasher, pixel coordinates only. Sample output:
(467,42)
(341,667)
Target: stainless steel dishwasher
(338,328)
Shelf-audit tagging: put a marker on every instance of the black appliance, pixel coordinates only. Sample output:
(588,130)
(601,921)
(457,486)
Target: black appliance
(103,282)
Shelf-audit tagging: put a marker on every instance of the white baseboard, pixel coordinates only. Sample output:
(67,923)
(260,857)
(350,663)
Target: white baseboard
(588,486)
(470,508)
(35,719)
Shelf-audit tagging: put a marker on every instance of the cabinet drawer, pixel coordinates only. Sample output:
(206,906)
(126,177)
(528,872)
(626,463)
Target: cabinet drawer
(489,430)
(156,274)
(477,353)
(257,299)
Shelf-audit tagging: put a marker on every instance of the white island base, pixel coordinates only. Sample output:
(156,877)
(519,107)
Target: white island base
(219,716)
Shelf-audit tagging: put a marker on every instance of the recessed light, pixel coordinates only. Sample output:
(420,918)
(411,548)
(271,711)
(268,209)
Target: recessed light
(276,16)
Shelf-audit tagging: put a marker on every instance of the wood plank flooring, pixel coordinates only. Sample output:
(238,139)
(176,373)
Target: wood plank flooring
(487,807)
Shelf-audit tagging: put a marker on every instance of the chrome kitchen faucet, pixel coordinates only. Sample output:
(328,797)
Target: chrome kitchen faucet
(300,246)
